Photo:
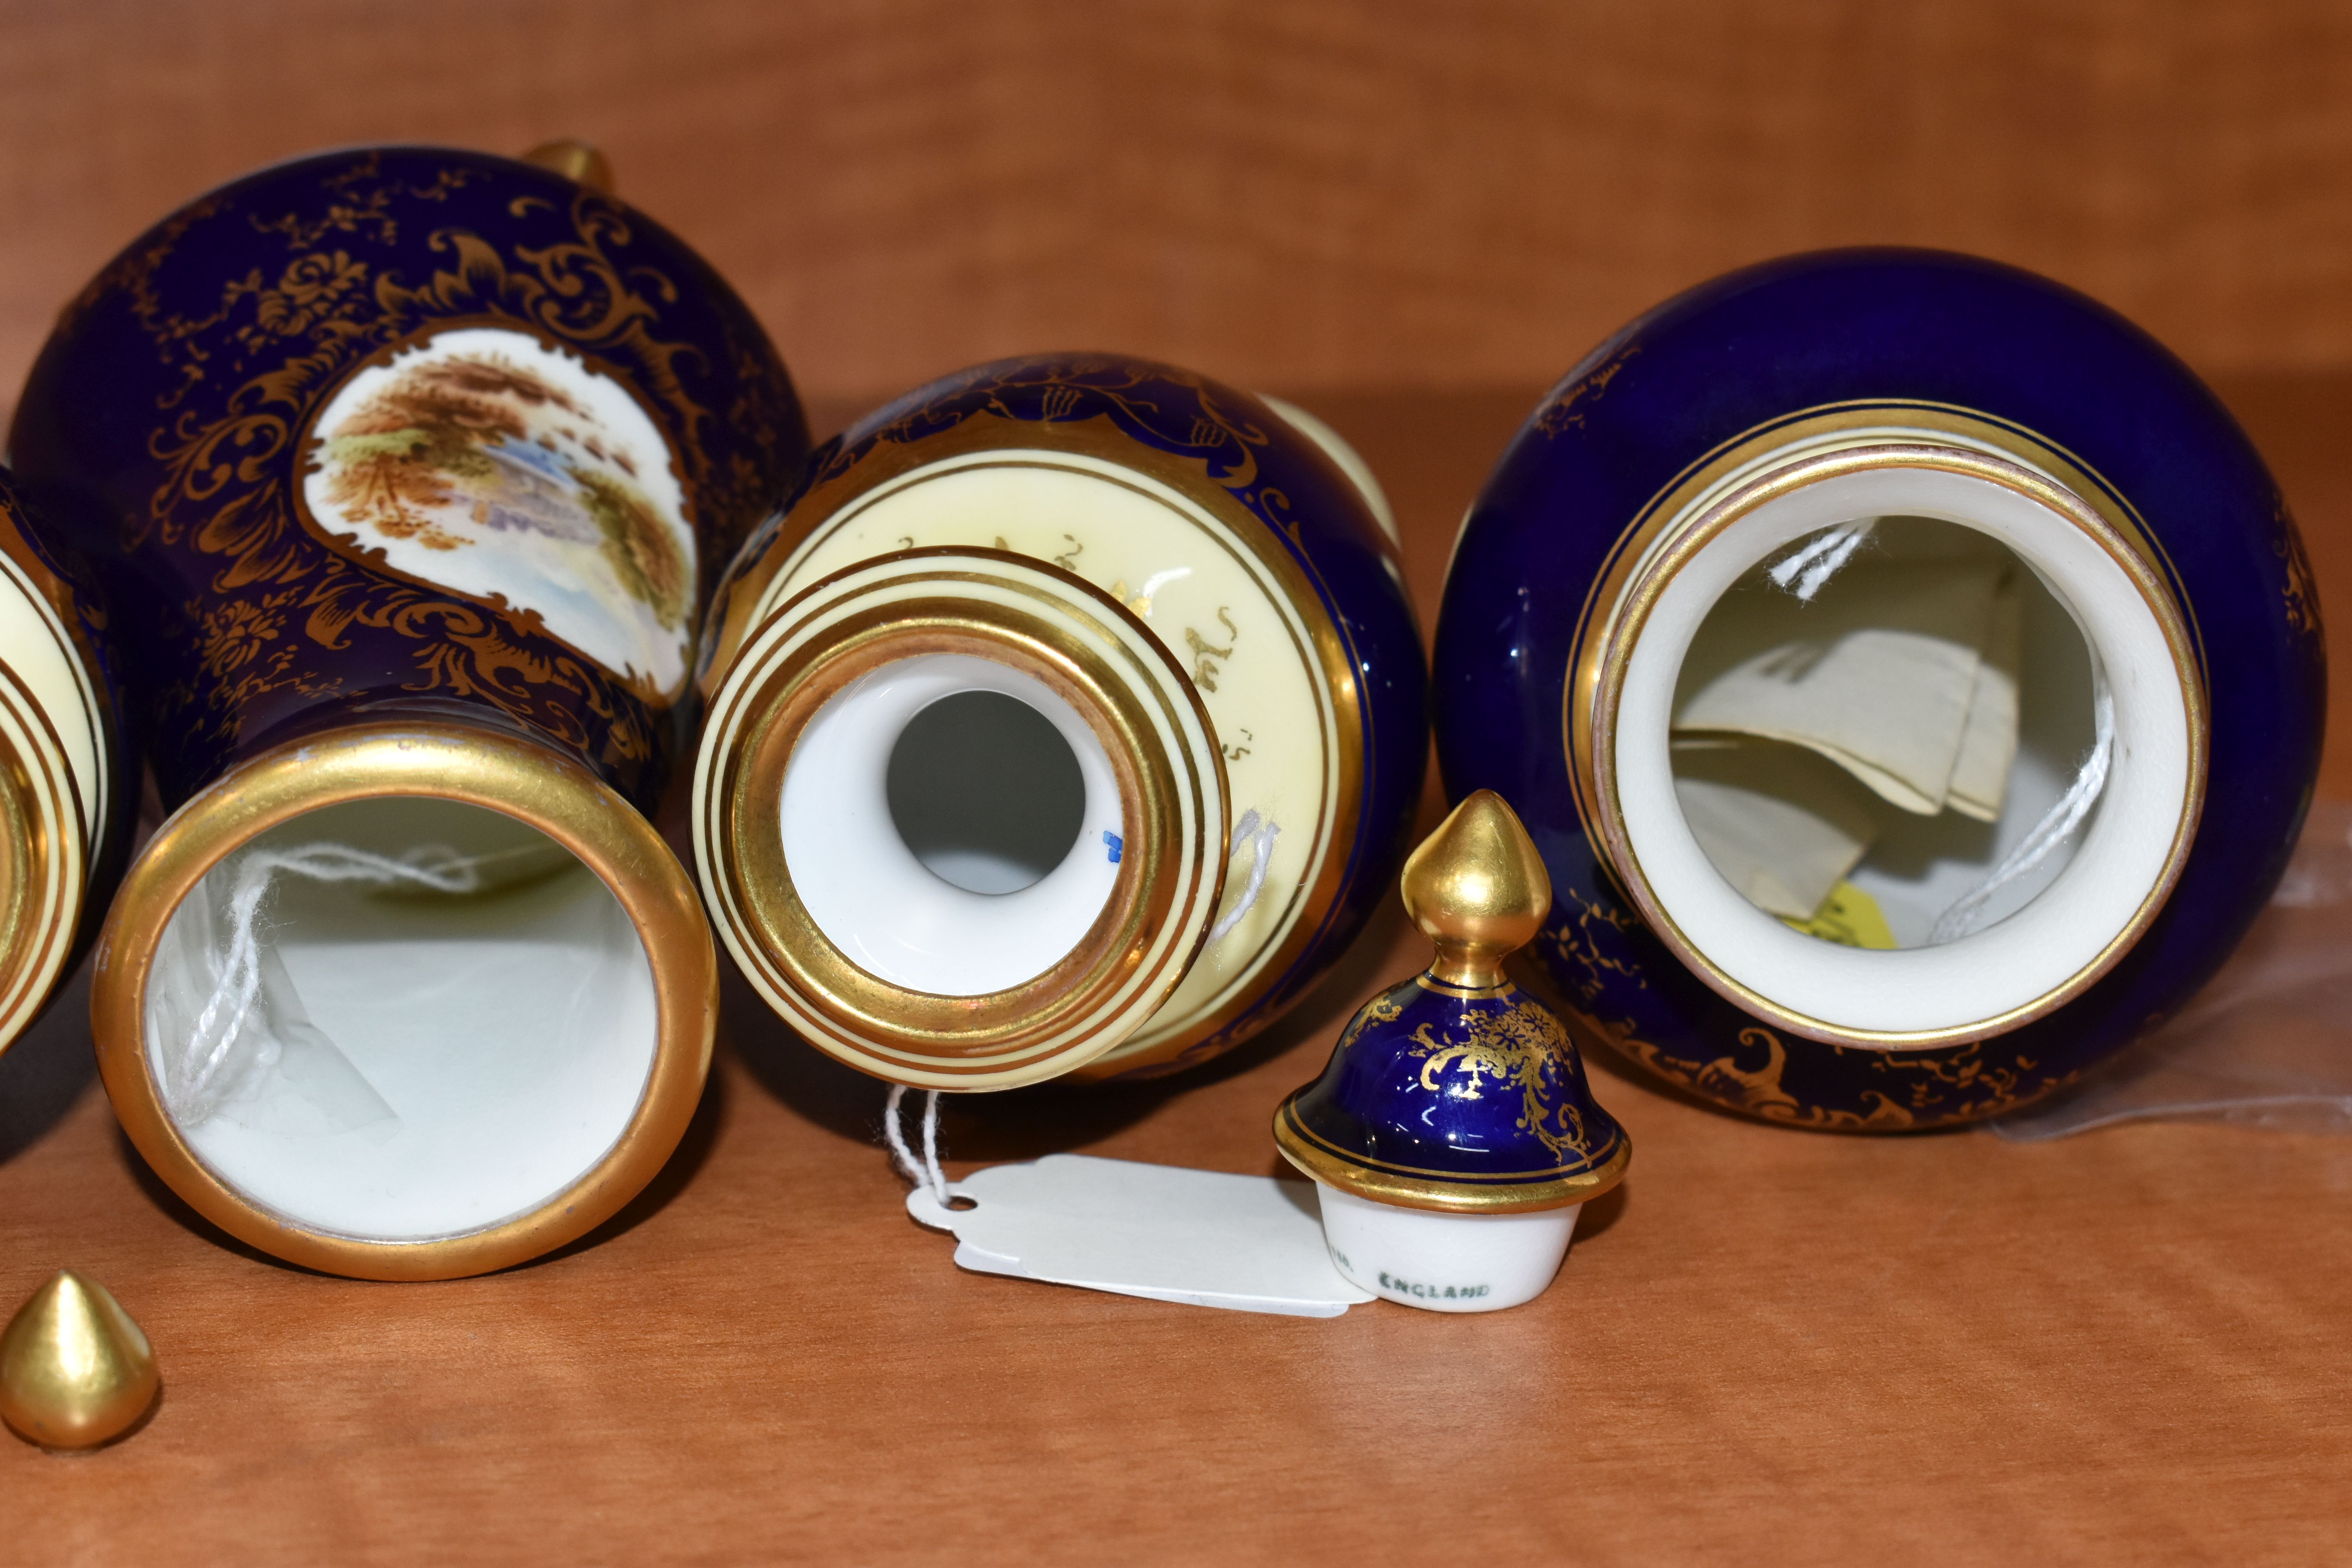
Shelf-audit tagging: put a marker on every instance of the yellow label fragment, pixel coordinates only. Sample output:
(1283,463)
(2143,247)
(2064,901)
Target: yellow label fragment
(1849,917)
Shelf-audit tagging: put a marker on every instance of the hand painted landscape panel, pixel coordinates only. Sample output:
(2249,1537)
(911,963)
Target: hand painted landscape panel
(486,462)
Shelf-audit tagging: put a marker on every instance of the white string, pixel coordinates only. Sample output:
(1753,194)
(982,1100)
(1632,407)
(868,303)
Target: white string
(1819,559)
(190,1090)
(928,1174)
(2059,821)
(1254,831)
(1258,832)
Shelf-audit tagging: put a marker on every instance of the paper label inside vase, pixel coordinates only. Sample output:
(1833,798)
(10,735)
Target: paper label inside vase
(1799,719)
(1902,673)
(487,462)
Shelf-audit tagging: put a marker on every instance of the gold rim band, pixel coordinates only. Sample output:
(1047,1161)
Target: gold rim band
(444,760)
(43,860)
(1433,1190)
(24,868)
(1835,427)
(1080,644)
(1601,665)
(50,819)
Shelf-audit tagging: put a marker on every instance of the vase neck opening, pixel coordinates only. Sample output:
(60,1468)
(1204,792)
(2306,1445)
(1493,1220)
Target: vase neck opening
(354,1005)
(407,1001)
(1905,742)
(953,825)
(962,817)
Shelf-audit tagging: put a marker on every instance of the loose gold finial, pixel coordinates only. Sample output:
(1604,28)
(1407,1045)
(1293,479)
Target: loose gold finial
(74,1369)
(574,159)
(1477,889)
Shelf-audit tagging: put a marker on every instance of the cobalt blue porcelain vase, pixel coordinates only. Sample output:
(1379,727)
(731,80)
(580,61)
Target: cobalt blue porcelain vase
(1070,718)
(1909,673)
(409,472)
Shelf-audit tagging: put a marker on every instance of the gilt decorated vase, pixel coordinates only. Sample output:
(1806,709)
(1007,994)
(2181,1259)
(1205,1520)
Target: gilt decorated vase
(408,471)
(1909,673)
(1069,720)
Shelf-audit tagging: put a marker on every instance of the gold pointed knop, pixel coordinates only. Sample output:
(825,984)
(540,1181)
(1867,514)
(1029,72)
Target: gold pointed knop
(1477,889)
(74,1369)
(574,159)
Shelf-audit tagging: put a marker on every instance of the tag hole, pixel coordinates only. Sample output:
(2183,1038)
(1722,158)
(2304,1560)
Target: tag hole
(960,1202)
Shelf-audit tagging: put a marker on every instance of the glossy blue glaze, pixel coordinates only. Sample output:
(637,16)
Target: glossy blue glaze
(164,423)
(1478,1090)
(1756,345)
(1282,479)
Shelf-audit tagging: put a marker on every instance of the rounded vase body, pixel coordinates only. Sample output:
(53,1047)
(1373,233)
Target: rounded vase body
(1909,673)
(408,471)
(1067,720)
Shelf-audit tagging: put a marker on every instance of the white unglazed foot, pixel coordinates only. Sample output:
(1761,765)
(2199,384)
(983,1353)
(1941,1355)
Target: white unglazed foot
(1445,1262)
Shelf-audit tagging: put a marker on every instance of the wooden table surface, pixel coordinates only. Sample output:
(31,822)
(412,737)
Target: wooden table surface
(1286,192)
(1768,1346)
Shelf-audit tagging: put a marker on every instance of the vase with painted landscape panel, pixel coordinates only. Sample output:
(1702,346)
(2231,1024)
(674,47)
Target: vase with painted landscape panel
(409,471)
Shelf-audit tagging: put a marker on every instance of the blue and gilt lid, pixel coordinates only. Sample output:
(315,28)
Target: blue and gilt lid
(1457,1090)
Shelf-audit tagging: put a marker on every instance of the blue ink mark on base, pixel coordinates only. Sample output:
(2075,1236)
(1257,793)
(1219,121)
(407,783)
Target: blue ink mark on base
(1115,846)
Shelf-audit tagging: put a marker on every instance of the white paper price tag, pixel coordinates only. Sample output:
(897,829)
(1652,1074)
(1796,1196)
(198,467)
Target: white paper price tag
(1249,1244)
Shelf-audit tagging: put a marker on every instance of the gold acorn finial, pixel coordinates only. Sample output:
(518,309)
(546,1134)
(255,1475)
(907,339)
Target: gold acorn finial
(574,159)
(74,1369)
(1477,889)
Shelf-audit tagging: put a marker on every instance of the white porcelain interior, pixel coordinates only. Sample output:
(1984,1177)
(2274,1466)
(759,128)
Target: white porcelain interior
(1918,866)
(984,914)
(423,1064)
(2046,929)
(1445,1262)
